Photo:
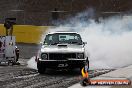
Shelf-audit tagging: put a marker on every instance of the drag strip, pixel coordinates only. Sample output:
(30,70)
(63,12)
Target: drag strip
(23,77)
(20,76)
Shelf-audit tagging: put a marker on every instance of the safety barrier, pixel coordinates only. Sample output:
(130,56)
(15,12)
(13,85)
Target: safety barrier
(26,33)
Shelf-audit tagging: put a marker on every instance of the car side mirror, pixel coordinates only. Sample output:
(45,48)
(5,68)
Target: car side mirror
(84,43)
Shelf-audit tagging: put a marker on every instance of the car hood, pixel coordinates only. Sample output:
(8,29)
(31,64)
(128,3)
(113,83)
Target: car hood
(64,48)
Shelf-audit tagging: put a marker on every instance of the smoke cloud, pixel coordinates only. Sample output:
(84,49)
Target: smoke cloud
(31,63)
(108,41)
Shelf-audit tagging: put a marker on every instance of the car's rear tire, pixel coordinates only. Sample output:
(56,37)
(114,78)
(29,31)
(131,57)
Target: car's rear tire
(41,68)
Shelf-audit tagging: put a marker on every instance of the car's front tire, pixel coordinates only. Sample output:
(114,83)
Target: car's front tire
(41,68)
(87,61)
(83,65)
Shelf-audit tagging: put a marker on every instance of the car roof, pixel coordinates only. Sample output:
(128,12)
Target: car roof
(62,32)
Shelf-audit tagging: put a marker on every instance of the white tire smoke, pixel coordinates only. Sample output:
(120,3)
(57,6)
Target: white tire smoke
(109,41)
(32,64)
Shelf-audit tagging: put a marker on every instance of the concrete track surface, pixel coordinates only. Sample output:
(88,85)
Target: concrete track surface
(20,76)
(124,73)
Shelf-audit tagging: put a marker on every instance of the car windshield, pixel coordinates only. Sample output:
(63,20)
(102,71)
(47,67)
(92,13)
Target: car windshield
(59,38)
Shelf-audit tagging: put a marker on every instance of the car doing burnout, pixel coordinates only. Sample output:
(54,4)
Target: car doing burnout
(61,50)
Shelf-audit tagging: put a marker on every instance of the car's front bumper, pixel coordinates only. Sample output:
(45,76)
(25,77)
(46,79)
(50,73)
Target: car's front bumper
(62,63)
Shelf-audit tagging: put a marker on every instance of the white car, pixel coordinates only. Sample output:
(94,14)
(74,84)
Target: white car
(61,50)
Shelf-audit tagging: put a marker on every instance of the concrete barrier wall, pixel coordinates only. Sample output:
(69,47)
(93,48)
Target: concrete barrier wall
(26,33)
